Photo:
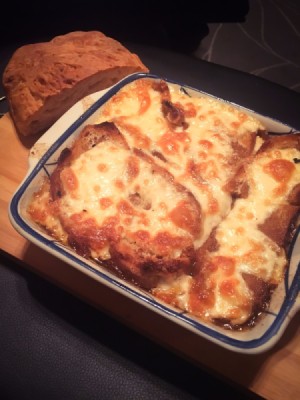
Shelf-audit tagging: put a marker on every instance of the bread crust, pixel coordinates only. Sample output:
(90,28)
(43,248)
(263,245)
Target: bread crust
(43,80)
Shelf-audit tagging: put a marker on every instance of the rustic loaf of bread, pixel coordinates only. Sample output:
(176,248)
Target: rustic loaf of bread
(43,80)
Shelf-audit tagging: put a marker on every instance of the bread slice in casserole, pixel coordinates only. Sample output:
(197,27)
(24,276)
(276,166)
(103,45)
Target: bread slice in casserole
(110,210)
(188,197)
(245,258)
(43,80)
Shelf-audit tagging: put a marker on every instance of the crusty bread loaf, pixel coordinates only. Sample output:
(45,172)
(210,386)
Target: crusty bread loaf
(43,80)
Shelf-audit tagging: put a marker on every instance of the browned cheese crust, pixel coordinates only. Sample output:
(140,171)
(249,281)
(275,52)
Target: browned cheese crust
(279,227)
(138,256)
(196,209)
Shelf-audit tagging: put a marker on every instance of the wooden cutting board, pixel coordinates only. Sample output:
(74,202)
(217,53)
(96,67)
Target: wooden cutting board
(274,375)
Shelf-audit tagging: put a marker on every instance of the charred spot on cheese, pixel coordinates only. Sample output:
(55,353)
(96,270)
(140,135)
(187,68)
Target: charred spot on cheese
(173,114)
(185,196)
(138,201)
(65,154)
(159,155)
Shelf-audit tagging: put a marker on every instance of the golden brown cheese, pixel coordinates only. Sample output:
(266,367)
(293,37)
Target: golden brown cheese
(176,193)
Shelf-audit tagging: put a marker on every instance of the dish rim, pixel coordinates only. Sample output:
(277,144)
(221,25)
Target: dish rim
(288,307)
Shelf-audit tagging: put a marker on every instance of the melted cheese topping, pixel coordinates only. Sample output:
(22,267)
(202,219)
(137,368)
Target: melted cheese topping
(108,189)
(243,247)
(201,153)
(198,156)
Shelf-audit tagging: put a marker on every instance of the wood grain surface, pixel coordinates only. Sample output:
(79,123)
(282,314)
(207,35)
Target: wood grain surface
(274,375)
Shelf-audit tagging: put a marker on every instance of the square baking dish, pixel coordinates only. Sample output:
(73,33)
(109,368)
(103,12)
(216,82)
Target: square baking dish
(43,156)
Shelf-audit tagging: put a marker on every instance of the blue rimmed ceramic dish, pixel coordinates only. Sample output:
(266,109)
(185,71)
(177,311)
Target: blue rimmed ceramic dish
(285,300)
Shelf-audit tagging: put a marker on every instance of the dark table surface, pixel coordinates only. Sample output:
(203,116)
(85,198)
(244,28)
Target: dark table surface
(54,346)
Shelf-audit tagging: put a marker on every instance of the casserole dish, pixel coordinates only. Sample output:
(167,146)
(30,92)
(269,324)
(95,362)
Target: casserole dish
(42,162)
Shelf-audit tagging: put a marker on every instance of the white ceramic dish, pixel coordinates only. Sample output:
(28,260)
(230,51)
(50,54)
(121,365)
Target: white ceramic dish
(285,301)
